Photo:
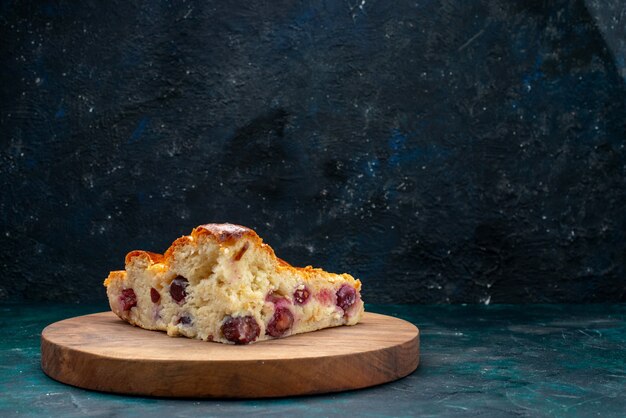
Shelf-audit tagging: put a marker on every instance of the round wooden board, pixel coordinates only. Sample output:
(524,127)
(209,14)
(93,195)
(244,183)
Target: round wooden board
(102,352)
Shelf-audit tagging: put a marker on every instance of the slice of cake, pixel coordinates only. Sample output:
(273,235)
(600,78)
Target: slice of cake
(222,283)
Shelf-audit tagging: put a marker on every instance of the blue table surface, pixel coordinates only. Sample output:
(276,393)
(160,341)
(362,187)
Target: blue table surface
(499,360)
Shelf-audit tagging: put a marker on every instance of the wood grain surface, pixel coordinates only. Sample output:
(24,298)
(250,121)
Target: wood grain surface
(103,353)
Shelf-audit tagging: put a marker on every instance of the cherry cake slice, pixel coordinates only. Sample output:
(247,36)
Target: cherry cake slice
(222,283)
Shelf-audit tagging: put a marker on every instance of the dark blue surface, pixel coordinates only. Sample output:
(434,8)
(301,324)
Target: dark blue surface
(441,151)
(533,360)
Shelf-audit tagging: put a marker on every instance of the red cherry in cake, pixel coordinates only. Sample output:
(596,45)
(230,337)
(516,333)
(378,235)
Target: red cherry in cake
(128,299)
(177,288)
(346,296)
(273,297)
(241,330)
(325,297)
(277,299)
(280,323)
(301,296)
(154,295)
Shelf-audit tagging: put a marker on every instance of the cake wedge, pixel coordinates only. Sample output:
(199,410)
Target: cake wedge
(222,283)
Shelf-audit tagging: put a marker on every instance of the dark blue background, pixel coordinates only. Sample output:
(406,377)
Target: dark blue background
(441,151)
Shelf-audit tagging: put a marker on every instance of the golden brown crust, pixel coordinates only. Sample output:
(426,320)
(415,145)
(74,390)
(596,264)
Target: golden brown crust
(283,262)
(150,256)
(223,234)
(115,275)
(178,242)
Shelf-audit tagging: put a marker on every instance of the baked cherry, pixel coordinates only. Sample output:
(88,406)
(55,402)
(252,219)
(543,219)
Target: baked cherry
(325,297)
(301,296)
(280,323)
(177,288)
(273,297)
(154,295)
(346,296)
(128,299)
(241,329)
(277,299)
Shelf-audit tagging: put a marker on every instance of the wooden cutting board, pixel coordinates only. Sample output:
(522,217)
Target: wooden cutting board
(102,352)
